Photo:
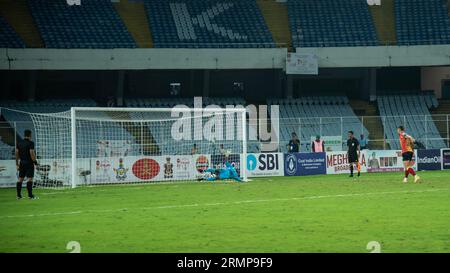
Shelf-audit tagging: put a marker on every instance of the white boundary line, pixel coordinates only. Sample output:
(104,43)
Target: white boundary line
(132,185)
(224,203)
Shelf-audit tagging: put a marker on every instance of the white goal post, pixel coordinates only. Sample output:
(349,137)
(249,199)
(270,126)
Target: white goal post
(133,145)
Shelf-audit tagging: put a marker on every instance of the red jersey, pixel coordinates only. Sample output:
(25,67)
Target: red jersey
(406,143)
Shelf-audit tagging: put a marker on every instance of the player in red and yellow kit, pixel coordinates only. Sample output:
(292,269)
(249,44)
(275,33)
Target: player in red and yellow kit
(407,145)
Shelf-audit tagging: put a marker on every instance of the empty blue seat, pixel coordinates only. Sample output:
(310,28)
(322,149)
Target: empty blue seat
(208,24)
(325,23)
(8,37)
(94,24)
(422,22)
(411,111)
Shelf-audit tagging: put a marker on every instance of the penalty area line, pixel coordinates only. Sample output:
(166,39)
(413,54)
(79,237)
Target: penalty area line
(224,203)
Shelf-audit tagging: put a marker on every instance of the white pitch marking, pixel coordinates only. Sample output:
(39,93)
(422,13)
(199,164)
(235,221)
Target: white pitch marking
(135,186)
(225,203)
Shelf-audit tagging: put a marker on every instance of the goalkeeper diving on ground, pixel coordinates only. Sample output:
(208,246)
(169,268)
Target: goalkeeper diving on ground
(213,174)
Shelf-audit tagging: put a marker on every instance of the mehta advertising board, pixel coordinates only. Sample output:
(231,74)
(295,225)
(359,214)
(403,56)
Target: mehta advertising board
(296,164)
(337,162)
(265,164)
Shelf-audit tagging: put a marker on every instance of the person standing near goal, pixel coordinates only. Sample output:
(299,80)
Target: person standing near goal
(25,161)
(407,145)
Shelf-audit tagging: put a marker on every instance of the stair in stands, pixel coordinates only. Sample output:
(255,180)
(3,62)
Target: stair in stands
(448,7)
(368,114)
(18,15)
(276,17)
(141,134)
(135,19)
(384,20)
(146,139)
(7,132)
(440,117)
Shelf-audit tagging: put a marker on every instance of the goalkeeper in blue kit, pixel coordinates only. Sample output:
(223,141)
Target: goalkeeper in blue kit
(212,174)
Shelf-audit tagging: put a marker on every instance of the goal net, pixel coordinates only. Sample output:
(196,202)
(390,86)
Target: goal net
(95,146)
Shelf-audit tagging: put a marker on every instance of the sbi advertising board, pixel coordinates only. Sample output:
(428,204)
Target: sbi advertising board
(265,164)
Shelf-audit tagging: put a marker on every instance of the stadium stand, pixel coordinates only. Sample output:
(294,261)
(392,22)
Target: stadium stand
(8,37)
(171,102)
(419,124)
(6,151)
(311,116)
(276,17)
(158,102)
(18,15)
(222,24)
(21,121)
(135,18)
(164,128)
(384,20)
(207,24)
(94,24)
(323,23)
(422,22)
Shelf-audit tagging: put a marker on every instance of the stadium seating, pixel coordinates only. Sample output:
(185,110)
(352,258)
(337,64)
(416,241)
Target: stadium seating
(21,121)
(8,37)
(160,130)
(6,151)
(311,116)
(207,24)
(422,22)
(158,102)
(419,122)
(171,102)
(94,24)
(229,24)
(324,23)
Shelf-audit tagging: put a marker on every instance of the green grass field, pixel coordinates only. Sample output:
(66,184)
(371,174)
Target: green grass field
(283,214)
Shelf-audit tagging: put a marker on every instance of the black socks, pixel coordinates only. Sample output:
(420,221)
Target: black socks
(30,189)
(19,189)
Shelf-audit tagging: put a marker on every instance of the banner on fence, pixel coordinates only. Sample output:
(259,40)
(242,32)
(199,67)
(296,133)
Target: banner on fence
(302,63)
(445,157)
(218,161)
(386,161)
(429,160)
(265,164)
(8,173)
(337,162)
(296,164)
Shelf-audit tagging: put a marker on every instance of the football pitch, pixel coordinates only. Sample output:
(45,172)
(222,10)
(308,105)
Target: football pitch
(331,213)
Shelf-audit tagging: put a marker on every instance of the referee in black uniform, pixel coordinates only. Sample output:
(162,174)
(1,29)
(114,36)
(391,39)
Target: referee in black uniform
(352,152)
(25,161)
